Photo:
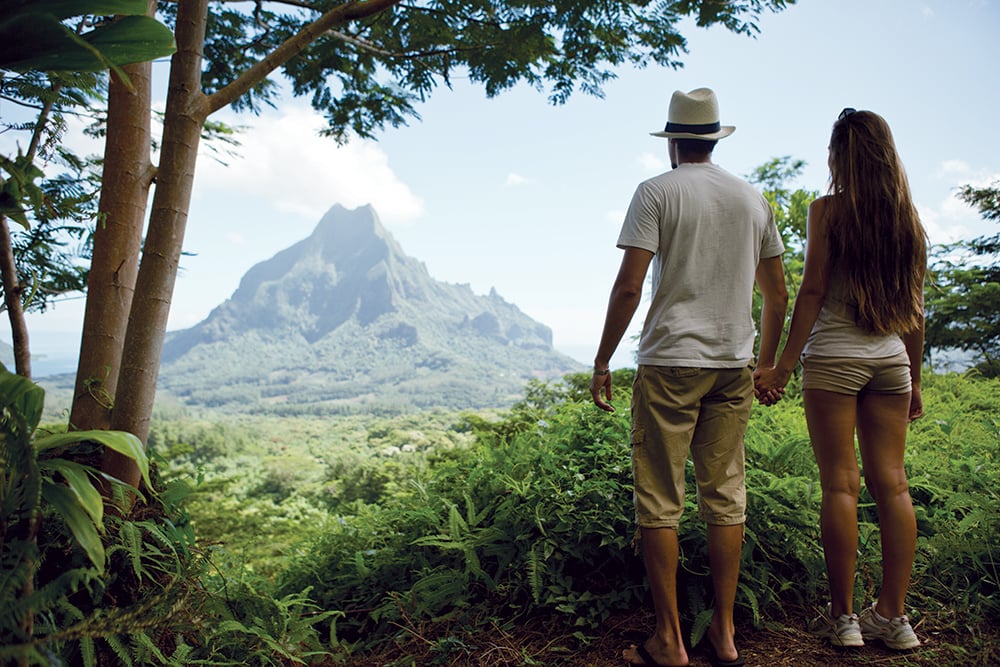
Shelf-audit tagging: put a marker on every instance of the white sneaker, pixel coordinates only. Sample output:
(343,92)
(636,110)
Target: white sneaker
(843,631)
(895,633)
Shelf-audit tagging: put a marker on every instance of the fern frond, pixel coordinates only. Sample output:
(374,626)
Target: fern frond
(752,602)
(700,625)
(534,566)
(120,650)
(87,653)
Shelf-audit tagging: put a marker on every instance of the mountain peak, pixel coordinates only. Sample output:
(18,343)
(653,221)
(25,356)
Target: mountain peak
(347,295)
(352,228)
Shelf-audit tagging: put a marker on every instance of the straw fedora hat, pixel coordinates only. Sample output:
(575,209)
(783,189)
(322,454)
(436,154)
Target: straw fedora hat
(694,115)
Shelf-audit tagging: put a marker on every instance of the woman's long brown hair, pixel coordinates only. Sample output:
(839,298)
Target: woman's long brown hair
(876,240)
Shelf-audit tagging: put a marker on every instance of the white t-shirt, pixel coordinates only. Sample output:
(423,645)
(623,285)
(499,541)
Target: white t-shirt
(708,230)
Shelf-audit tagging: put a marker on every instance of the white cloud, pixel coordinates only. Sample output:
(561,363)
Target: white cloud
(651,163)
(236,238)
(514,180)
(955,167)
(952,220)
(282,159)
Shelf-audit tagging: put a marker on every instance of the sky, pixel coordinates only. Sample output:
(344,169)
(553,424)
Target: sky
(519,195)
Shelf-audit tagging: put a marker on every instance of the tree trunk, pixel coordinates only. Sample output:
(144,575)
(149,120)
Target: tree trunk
(12,289)
(185,116)
(117,242)
(186,112)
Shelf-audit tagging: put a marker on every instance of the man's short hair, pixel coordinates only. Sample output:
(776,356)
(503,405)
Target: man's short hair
(698,147)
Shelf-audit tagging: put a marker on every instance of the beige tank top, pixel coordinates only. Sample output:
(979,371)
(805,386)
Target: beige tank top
(836,335)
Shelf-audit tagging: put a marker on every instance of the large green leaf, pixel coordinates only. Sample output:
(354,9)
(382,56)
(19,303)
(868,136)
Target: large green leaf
(23,398)
(34,40)
(83,528)
(132,39)
(63,9)
(123,443)
(77,478)
(38,41)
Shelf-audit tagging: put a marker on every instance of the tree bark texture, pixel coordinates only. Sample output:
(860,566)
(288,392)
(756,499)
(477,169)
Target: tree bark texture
(117,242)
(12,289)
(186,112)
(185,116)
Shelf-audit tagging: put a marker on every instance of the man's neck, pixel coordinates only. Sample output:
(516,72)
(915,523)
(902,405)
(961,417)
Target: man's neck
(694,160)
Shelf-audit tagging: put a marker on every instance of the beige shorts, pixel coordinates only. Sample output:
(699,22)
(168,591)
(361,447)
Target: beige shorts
(703,411)
(849,375)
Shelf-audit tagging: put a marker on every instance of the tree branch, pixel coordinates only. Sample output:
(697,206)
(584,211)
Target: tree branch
(12,289)
(345,13)
(374,48)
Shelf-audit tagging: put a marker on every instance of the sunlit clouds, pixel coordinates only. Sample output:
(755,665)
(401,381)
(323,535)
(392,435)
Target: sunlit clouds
(652,163)
(283,160)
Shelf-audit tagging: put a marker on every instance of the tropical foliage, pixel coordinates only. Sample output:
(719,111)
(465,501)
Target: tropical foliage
(963,299)
(330,541)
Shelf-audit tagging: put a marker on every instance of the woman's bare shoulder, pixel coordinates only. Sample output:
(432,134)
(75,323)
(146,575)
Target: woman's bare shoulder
(820,202)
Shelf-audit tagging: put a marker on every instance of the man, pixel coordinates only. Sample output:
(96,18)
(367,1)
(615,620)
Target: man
(708,235)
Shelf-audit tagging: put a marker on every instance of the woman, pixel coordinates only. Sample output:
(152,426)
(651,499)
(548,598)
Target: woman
(858,327)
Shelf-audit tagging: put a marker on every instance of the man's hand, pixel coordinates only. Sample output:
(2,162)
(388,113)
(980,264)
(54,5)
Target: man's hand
(600,383)
(769,384)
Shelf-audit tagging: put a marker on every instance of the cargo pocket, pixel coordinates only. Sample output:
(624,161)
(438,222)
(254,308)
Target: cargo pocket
(637,435)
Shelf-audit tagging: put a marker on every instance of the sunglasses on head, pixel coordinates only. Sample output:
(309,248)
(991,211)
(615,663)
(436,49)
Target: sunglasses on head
(846,112)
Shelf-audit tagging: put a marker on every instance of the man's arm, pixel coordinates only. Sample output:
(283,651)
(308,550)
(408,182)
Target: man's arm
(770,278)
(625,296)
(771,281)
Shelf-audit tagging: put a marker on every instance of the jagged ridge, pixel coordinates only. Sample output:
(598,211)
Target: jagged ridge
(345,320)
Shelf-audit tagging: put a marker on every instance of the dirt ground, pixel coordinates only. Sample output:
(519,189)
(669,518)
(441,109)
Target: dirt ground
(778,645)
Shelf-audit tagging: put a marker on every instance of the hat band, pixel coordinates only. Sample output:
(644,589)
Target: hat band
(707,128)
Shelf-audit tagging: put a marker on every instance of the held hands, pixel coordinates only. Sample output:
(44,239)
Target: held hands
(769,384)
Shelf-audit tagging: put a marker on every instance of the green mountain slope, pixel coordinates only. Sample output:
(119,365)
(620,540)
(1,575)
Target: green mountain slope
(345,321)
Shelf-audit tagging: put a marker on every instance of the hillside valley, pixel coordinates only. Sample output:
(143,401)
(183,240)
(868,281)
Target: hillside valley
(344,321)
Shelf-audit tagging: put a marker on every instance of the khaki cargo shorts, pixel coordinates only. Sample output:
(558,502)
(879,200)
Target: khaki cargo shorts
(704,411)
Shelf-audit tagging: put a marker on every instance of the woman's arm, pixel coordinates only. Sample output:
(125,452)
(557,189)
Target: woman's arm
(914,342)
(808,302)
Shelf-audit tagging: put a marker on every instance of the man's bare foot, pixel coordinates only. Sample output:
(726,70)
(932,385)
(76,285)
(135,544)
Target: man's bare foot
(655,653)
(723,649)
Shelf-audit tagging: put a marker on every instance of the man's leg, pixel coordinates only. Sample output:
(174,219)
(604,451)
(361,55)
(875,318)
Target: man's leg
(724,546)
(660,553)
(719,463)
(665,410)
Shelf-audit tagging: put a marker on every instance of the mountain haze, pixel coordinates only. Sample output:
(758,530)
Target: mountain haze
(344,320)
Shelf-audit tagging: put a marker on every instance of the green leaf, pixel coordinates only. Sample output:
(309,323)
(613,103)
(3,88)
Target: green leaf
(64,9)
(121,442)
(132,39)
(84,530)
(23,398)
(38,41)
(77,477)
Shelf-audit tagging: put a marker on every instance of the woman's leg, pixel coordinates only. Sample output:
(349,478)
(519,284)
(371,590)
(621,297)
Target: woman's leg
(831,418)
(882,422)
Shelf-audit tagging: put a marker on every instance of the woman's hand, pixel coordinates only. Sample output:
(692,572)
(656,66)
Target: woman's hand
(916,403)
(769,384)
